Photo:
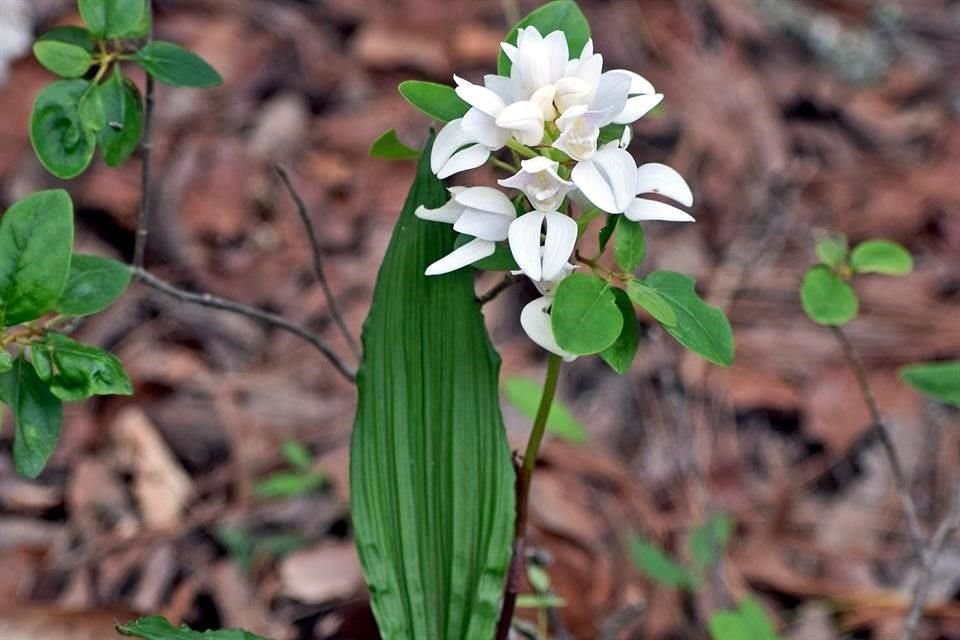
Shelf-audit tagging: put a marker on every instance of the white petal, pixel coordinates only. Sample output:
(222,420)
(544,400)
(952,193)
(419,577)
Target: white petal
(510,50)
(524,236)
(561,238)
(535,321)
(447,142)
(486,199)
(608,179)
(479,97)
(538,164)
(637,107)
(500,85)
(626,137)
(484,225)
(638,84)
(483,128)
(469,158)
(467,254)
(592,184)
(525,119)
(654,177)
(611,97)
(643,209)
(557,54)
(448,213)
(573,92)
(543,98)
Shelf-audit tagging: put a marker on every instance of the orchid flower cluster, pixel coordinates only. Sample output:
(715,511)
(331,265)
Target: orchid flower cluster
(551,110)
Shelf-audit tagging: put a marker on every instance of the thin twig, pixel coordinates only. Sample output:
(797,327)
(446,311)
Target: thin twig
(146,146)
(508,281)
(272,319)
(917,537)
(524,478)
(318,270)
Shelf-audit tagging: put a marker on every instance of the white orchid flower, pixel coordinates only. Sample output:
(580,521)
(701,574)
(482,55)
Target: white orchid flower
(642,98)
(454,150)
(539,181)
(492,120)
(542,243)
(580,124)
(481,212)
(535,320)
(612,182)
(537,61)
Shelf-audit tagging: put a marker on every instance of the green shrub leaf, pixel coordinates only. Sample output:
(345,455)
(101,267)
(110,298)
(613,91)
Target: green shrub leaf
(833,250)
(61,140)
(584,315)
(658,566)
(77,36)
(431,478)
(524,394)
(607,231)
(37,413)
(621,353)
(749,622)
(827,299)
(92,114)
(701,328)
(288,484)
(631,245)
(438,101)
(77,371)
(560,15)
(881,256)
(36,240)
(113,18)
(157,628)
(652,302)
(178,67)
(6,361)
(94,283)
(123,111)
(389,147)
(939,380)
(63,59)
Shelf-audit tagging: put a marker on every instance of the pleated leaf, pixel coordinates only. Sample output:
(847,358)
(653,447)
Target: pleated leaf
(431,478)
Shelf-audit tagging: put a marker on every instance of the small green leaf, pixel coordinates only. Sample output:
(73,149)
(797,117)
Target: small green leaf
(120,136)
(500,260)
(881,256)
(389,147)
(833,250)
(701,328)
(112,18)
(584,315)
(63,59)
(38,415)
(538,578)
(607,231)
(611,132)
(524,394)
(749,622)
(6,361)
(77,371)
(36,239)
(61,140)
(178,67)
(658,566)
(709,540)
(560,15)
(77,36)
(157,628)
(631,245)
(652,302)
(296,455)
(621,353)
(939,380)
(827,299)
(438,101)
(287,484)
(93,284)
(92,114)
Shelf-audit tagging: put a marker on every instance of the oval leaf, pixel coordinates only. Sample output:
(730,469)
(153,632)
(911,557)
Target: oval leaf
(178,67)
(38,415)
(631,245)
(36,240)
(584,315)
(63,59)
(939,380)
(701,328)
(438,101)
(621,353)
(827,299)
(560,15)
(833,250)
(123,112)
(60,139)
(157,628)
(652,302)
(881,256)
(113,18)
(93,284)
(77,36)
(389,147)
(431,479)
(77,371)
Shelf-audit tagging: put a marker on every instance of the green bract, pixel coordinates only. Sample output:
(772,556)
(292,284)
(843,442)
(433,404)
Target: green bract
(36,239)
(178,67)
(701,328)
(123,114)
(939,380)
(76,371)
(63,59)
(585,316)
(113,18)
(63,142)
(388,146)
(93,284)
(561,15)
(881,256)
(38,415)
(631,245)
(621,353)
(438,101)
(524,394)
(827,299)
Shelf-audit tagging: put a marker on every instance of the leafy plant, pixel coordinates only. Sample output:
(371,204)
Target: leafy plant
(298,480)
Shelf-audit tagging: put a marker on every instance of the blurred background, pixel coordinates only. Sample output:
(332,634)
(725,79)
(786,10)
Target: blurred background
(217,495)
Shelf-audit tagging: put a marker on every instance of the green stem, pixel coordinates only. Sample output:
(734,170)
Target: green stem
(506,166)
(524,477)
(522,149)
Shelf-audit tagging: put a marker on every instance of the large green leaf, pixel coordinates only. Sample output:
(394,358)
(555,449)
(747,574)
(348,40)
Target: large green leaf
(431,478)
(438,101)
(585,316)
(38,415)
(36,240)
(560,15)
(123,113)
(157,628)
